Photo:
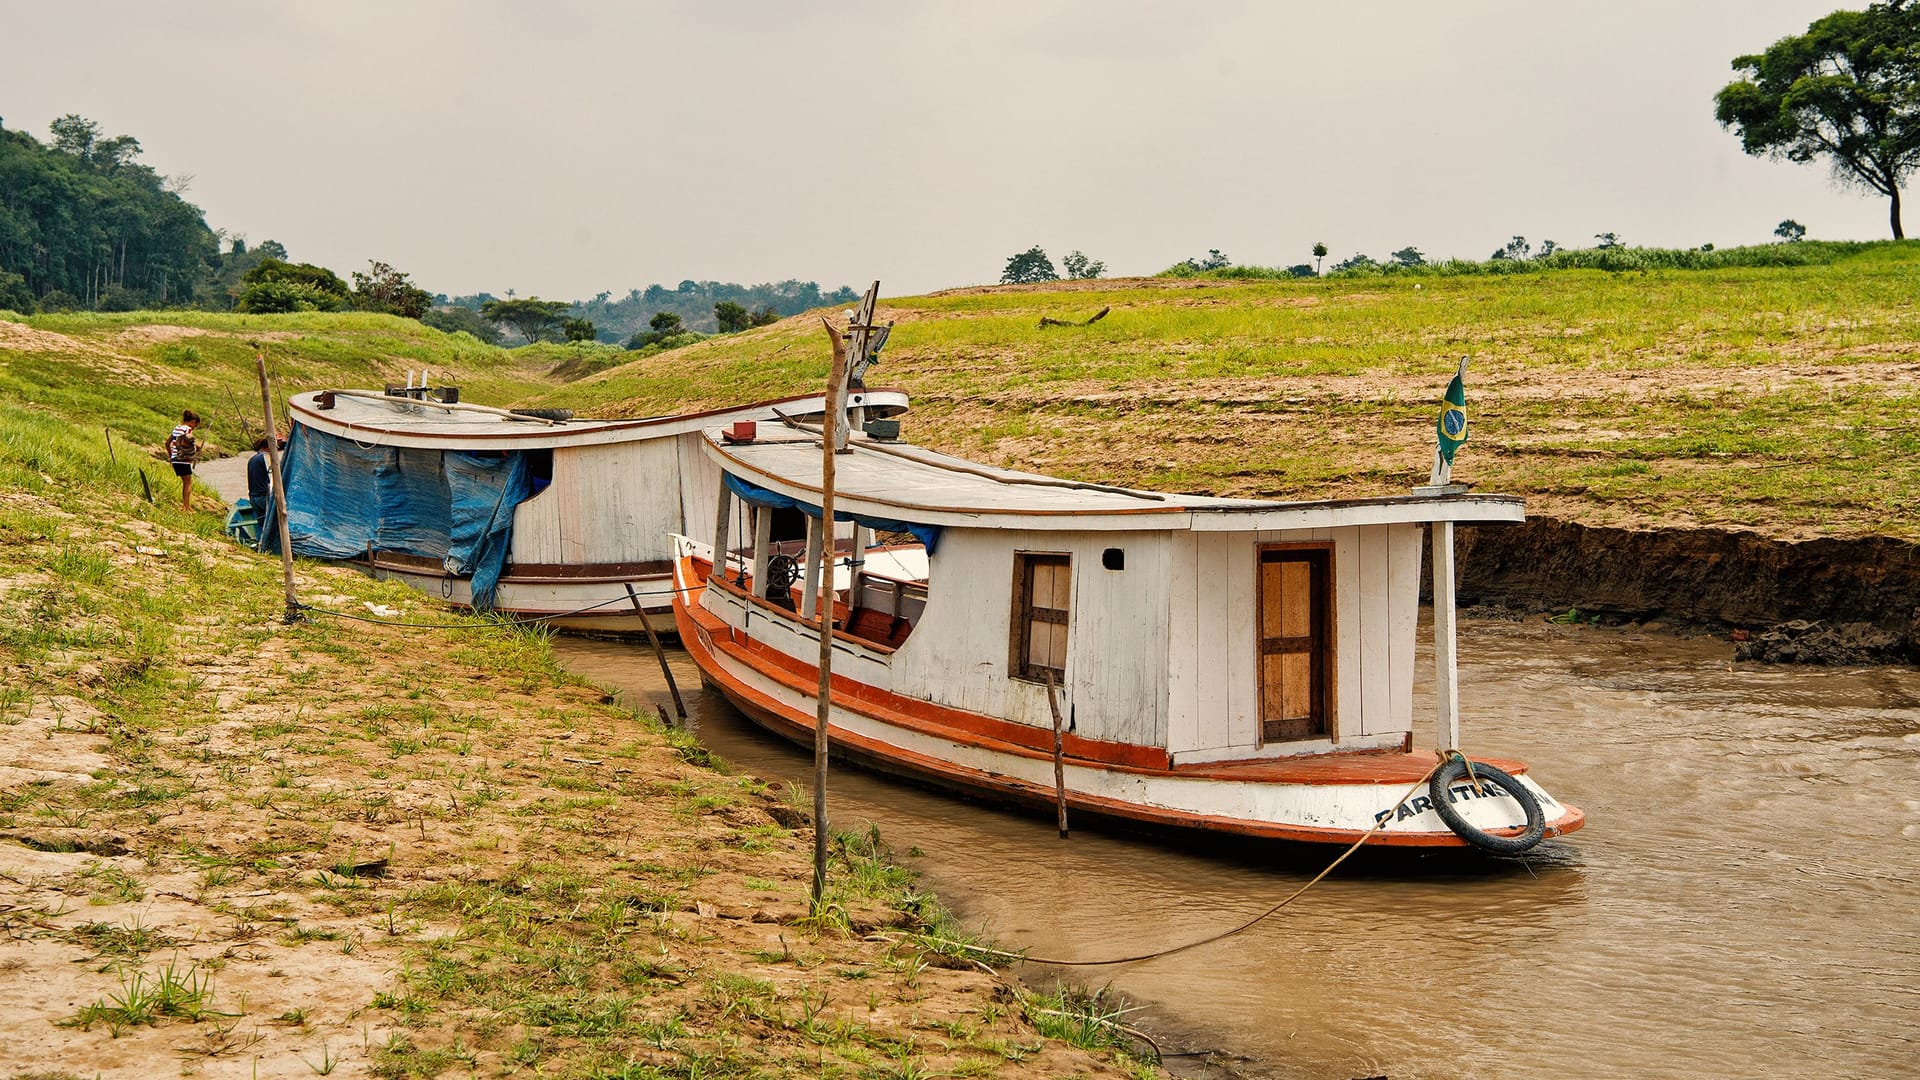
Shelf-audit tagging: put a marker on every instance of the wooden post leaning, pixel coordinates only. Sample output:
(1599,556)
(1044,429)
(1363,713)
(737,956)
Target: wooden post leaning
(1059,756)
(279,487)
(824,709)
(660,654)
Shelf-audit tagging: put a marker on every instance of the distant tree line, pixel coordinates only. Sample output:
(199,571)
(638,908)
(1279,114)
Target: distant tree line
(699,307)
(84,225)
(83,222)
(1033,265)
(1519,256)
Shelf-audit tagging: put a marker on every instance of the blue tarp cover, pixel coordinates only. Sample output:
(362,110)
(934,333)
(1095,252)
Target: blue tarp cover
(344,497)
(928,535)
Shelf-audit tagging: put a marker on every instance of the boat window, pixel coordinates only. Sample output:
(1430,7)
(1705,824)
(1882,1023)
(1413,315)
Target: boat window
(789,524)
(539,468)
(1295,632)
(1043,586)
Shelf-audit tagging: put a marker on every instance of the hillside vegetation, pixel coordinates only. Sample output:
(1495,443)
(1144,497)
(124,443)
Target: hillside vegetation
(1775,398)
(233,847)
(71,375)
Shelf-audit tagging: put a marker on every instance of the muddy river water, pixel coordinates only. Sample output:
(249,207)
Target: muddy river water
(1745,900)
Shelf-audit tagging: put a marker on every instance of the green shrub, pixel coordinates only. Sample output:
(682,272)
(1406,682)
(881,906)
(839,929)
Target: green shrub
(279,296)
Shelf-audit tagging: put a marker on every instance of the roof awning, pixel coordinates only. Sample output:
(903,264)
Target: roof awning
(928,535)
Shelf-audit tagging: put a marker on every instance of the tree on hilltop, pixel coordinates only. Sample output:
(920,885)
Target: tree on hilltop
(1079,266)
(732,317)
(384,289)
(1028,266)
(1847,91)
(1791,231)
(1516,248)
(533,317)
(274,285)
(462,320)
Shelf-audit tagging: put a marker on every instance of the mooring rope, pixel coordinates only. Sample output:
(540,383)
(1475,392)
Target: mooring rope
(1442,759)
(489,624)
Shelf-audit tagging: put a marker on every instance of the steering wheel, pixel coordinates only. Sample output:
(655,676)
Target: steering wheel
(782,572)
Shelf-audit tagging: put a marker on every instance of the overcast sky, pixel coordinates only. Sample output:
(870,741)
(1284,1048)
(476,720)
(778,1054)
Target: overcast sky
(561,149)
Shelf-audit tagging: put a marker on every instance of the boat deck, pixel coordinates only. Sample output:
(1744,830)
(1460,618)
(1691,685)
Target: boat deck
(1358,767)
(1321,769)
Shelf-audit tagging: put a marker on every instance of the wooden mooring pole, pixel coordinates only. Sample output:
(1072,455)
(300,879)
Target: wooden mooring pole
(824,699)
(1059,756)
(279,487)
(660,654)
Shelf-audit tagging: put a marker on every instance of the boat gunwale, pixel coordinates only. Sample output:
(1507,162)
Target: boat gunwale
(697,637)
(1005,735)
(1200,515)
(576,431)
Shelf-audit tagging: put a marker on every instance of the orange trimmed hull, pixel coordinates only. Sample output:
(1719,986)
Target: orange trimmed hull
(784,702)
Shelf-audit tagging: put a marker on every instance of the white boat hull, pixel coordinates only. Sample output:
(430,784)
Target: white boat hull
(1331,798)
(585,605)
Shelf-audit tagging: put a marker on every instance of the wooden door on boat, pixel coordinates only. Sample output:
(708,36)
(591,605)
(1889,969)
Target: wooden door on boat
(1295,643)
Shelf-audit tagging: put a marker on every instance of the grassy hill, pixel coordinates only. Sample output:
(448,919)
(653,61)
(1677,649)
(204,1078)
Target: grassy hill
(134,372)
(1778,399)
(258,837)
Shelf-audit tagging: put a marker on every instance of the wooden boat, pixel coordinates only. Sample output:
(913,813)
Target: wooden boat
(1238,666)
(532,516)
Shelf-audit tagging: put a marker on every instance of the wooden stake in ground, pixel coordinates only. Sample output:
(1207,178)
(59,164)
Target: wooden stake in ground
(279,487)
(660,654)
(1059,756)
(836,397)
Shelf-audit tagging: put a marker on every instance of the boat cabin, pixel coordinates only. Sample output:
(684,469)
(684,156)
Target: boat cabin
(1169,630)
(530,514)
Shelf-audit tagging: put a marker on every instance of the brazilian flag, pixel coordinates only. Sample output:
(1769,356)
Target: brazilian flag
(1452,426)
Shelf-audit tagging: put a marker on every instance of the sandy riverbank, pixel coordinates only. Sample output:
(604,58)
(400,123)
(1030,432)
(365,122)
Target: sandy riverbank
(232,847)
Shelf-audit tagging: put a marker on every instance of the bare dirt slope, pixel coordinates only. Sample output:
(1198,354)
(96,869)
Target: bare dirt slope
(232,847)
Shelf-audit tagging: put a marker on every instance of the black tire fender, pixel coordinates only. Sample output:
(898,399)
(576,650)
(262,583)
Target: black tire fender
(1455,769)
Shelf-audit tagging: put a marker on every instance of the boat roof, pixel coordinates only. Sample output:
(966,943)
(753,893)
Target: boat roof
(376,418)
(904,482)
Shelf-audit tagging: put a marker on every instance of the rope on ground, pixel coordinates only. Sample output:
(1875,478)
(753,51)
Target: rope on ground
(490,623)
(1442,759)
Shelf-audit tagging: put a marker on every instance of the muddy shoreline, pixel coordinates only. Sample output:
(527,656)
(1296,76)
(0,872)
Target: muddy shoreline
(1822,601)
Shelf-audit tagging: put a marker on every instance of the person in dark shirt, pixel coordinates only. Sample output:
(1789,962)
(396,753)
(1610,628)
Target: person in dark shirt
(259,491)
(259,488)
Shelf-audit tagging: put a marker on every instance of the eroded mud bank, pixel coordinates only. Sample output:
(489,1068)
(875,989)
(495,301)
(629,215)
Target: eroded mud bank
(1812,601)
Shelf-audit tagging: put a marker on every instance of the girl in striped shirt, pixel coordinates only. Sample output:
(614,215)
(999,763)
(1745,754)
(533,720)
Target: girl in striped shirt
(180,453)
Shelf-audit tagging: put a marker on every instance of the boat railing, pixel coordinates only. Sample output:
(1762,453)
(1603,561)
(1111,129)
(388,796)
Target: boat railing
(898,600)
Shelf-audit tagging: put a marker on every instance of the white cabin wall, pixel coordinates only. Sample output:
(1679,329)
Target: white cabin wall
(699,490)
(610,503)
(1183,640)
(1213,638)
(1404,543)
(1116,680)
(1374,669)
(1120,616)
(536,529)
(1237,731)
(1375,597)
